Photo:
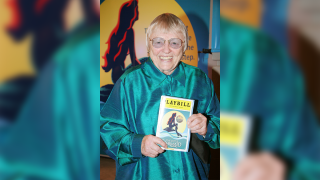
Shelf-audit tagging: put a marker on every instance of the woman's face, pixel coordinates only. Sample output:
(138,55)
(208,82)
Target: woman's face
(166,58)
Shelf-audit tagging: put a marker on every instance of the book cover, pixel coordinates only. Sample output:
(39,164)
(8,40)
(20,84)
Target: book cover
(234,141)
(172,122)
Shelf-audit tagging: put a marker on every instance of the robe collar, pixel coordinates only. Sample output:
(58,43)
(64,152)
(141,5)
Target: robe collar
(156,77)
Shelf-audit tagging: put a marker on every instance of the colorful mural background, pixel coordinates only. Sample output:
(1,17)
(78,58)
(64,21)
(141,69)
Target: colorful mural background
(195,15)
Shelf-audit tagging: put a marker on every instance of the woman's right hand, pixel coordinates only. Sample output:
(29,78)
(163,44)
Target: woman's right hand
(149,146)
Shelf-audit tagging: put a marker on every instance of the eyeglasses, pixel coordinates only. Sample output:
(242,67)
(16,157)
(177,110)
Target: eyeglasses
(175,43)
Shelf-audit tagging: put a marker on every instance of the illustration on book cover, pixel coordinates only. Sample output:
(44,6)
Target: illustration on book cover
(172,122)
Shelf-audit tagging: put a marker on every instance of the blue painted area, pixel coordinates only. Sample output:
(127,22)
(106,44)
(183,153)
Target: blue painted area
(215,27)
(198,12)
(274,20)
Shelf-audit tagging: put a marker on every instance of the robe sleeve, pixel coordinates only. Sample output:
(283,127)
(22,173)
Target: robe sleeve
(212,112)
(300,145)
(123,144)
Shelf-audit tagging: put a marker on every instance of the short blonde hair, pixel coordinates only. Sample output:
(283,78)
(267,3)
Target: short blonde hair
(167,23)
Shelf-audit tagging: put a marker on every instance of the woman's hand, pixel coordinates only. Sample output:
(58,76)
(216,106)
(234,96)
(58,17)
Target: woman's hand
(262,166)
(197,123)
(149,146)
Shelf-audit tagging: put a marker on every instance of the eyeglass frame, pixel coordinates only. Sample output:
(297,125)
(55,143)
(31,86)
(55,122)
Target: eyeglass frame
(168,41)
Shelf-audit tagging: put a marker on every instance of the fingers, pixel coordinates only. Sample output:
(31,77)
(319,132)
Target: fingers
(248,169)
(196,119)
(262,166)
(273,164)
(156,149)
(197,123)
(150,147)
(153,153)
(202,131)
(192,118)
(161,142)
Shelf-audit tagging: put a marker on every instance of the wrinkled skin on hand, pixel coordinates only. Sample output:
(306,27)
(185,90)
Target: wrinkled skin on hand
(197,123)
(260,166)
(150,148)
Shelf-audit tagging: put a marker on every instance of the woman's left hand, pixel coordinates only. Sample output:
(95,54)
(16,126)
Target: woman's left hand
(262,166)
(197,123)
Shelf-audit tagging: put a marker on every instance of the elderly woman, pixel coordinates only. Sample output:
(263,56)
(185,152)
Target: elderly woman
(129,117)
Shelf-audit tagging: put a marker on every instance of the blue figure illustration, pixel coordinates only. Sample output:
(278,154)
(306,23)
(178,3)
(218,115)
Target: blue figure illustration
(172,124)
(120,44)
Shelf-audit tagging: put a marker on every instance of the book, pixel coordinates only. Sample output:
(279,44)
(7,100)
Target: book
(234,141)
(172,122)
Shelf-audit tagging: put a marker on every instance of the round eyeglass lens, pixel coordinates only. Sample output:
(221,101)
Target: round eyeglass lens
(158,42)
(175,43)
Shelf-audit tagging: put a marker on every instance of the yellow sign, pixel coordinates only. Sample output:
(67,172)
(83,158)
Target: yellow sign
(178,104)
(232,130)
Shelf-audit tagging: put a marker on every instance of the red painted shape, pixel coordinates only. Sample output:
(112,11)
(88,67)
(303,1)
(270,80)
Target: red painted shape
(124,38)
(16,15)
(39,6)
(115,30)
(115,57)
(135,15)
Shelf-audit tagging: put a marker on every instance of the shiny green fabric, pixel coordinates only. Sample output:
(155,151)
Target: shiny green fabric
(259,79)
(131,112)
(55,136)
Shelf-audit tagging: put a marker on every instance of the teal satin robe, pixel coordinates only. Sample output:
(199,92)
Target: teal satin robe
(55,136)
(259,79)
(131,112)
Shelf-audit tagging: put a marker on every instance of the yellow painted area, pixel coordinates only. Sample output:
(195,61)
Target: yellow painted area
(181,126)
(15,57)
(148,10)
(246,12)
(178,104)
(232,130)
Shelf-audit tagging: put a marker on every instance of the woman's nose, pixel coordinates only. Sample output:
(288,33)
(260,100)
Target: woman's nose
(166,48)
